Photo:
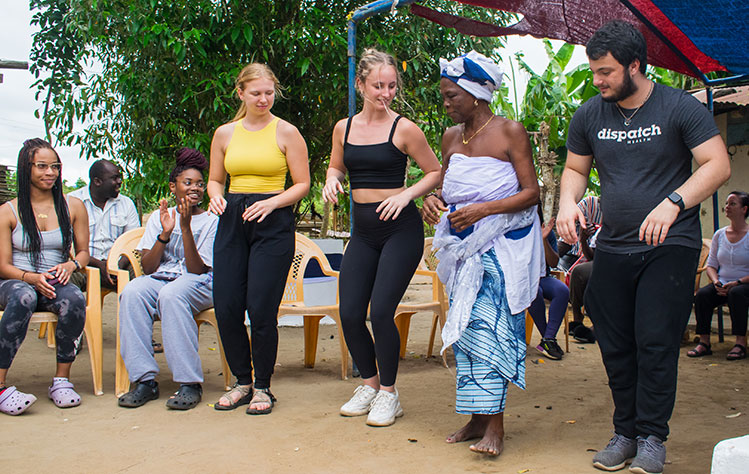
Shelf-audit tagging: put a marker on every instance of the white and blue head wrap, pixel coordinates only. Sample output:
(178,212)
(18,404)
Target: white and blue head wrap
(475,73)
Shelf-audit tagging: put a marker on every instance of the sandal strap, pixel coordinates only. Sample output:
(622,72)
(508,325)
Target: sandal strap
(7,393)
(59,385)
(266,397)
(243,391)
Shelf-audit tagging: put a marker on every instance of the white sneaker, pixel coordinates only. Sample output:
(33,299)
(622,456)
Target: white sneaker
(386,407)
(361,401)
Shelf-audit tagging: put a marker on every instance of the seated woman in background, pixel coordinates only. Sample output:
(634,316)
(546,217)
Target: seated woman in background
(38,229)
(177,259)
(552,289)
(728,271)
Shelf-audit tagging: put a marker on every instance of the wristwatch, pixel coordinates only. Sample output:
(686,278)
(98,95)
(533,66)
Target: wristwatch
(675,198)
(77,265)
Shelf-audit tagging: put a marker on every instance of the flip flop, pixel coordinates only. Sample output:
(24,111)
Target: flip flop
(243,400)
(188,396)
(14,402)
(736,355)
(696,352)
(256,400)
(62,393)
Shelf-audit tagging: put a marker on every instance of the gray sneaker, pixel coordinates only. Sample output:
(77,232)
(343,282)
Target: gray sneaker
(651,455)
(617,453)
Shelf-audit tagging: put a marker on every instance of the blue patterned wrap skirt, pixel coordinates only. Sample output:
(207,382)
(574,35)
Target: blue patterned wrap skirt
(491,351)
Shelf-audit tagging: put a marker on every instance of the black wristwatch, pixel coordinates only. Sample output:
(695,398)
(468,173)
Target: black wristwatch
(675,198)
(77,265)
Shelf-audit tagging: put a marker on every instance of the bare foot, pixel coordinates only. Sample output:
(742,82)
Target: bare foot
(493,441)
(472,430)
(490,444)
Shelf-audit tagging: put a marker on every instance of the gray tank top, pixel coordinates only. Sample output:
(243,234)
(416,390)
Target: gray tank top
(52,250)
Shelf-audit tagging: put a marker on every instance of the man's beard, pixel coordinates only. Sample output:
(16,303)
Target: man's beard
(625,90)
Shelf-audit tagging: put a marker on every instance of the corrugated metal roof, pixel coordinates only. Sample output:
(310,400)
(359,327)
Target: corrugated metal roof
(738,95)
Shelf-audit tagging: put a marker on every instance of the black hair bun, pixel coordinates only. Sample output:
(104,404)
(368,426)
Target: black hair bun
(191,158)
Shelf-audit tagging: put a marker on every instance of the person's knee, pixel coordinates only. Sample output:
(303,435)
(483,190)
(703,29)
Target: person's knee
(25,295)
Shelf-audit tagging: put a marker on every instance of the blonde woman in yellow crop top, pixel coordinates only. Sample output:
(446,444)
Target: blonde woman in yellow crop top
(254,243)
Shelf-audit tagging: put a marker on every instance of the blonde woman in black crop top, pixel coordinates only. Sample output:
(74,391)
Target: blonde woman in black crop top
(387,241)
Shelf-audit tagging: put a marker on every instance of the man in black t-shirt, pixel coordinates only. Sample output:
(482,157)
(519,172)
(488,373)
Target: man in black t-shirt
(642,137)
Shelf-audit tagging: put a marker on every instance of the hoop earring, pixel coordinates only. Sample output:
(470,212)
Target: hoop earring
(475,102)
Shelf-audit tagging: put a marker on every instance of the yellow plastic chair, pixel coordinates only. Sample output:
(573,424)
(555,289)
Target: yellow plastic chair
(438,305)
(293,301)
(92,329)
(125,246)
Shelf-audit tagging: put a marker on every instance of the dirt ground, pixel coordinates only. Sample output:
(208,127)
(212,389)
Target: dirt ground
(552,427)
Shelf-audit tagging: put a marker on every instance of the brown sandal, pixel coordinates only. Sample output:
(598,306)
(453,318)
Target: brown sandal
(245,392)
(261,395)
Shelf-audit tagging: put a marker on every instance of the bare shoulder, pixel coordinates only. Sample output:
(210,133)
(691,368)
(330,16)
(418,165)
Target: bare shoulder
(511,128)
(7,216)
(451,135)
(224,132)
(288,130)
(75,204)
(405,125)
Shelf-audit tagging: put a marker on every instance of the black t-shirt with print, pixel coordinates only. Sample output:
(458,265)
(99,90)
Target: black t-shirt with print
(641,164)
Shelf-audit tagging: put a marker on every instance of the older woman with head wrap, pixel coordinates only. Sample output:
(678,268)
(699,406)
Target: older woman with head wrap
(490,248)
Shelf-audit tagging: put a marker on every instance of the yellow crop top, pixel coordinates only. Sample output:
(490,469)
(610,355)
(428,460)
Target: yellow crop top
(253,160)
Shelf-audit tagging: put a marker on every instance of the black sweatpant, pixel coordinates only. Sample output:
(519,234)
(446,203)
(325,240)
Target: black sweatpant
(377,267)
(578,282)
(640,304)
(251,261)
(707,299)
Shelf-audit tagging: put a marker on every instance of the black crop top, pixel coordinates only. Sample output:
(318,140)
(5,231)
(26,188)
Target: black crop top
(377,166)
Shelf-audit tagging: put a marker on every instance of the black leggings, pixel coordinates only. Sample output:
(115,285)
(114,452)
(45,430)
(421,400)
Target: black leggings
(377,267)
(707,299)
(251,261)
(19,300)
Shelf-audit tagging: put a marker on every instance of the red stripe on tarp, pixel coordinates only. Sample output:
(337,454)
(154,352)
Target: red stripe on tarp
(677,37)
(464,25)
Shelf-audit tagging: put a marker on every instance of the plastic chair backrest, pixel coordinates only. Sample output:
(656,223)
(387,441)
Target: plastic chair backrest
(125,245)
(304,250)
(704,253)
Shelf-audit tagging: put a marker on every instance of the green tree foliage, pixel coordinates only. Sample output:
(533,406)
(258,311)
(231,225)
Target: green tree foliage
(146,77)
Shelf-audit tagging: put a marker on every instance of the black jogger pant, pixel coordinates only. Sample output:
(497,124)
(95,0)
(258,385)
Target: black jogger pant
(707,299)
(251,261)
(640,304)
(377,267)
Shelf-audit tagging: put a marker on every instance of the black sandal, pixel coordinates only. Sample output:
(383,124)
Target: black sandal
(140,395)
(271,400)
(736,355)
(188,396)
(696,352)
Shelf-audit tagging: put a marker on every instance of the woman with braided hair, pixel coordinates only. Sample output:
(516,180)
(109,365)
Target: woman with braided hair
(177,259)
(37,231)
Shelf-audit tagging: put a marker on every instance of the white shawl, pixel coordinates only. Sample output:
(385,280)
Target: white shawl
(470,180)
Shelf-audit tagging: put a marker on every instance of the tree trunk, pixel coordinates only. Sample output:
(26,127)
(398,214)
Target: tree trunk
(546,161)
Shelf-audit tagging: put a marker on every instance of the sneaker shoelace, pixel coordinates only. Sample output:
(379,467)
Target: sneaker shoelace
(651,449)
(381,403)
(359,394)
(617,439)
